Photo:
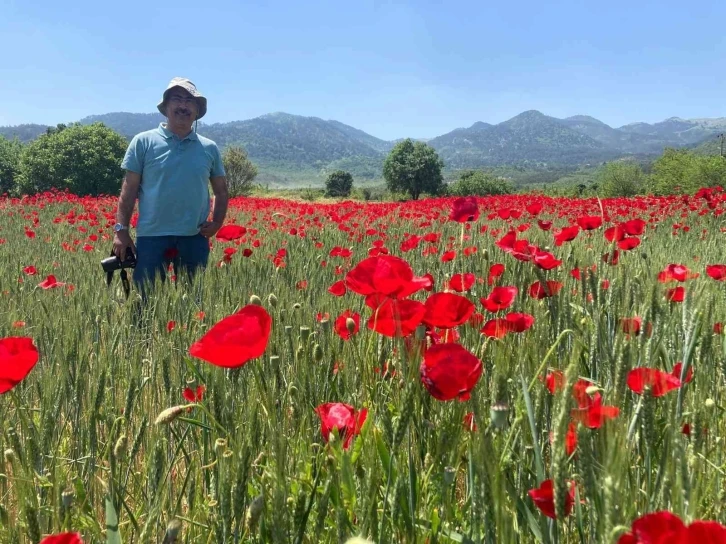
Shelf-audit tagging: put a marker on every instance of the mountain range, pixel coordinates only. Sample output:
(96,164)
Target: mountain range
(291,149)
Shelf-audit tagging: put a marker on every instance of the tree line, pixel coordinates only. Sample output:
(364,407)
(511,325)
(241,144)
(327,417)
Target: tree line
(86,160)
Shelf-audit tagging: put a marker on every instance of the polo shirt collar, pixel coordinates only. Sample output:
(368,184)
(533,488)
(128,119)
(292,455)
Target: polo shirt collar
(166,133)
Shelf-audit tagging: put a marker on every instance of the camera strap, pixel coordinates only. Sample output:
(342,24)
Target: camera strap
(124,280)
(125,283)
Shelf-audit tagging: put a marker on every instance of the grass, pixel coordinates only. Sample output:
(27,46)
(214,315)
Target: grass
(248,463)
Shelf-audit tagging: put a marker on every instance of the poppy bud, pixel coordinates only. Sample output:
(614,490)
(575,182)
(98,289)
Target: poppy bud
(170,414)
(449,475)
(288,330)
(254,511)
(304,333)
(9,455)
(119,450)
(173,530)
(709,403)
(485,254)
(592,389)
(254,299)
(350,325)
(67,498)
(300,352)
(272,300)
(317,353)
(499,414)
(325,325)
(296,306)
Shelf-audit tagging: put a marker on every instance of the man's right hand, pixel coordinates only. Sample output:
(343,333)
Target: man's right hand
(121,241)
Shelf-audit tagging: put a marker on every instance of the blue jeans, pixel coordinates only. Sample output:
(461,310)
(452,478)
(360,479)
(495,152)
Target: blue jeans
(188,254)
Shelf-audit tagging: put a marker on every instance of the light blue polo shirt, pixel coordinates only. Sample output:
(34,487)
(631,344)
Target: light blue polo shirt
(174,191)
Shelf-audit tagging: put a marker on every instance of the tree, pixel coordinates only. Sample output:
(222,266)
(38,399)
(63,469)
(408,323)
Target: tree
(339,183)
(621,179)
(413,168)
(478,183)
(10,151)
(681,171)
(240,171)
(86,160)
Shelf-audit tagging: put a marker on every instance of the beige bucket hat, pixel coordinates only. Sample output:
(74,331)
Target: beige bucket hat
(188,86)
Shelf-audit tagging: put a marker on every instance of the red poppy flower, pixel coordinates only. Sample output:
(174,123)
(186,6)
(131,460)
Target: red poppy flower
(50,283)
(338,289)
(677,294)
(612,257)
(301,285)
(634,227)
(447,310)
(449,371)
(519,322)
(718,328)
(385,274)
(544,498)
(30,270)
(341,418)
(341,324)
(589,222)
(535,208)
(631,325)
(194,395)
(500,298)
(235,339)
(544,225)
(665,527)
(18,324)
(247,252)
(18,356)
(594,414)
(464,209)
(550,289)
(448,256)
(657,381)
(629,243)
(555,381)
(566,234)
(462,282)
(230,232)
(394,318)
(675,272)
(495,272)
(170,326)
(571,439)
(63,538)
(678,368)
(716,271)
(545,260)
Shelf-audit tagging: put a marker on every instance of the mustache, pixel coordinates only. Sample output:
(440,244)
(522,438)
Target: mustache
(182,111)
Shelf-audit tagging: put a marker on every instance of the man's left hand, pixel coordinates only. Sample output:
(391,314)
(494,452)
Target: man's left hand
(209,228)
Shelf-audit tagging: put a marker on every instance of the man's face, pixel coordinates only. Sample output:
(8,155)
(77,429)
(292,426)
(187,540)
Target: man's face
(181,107)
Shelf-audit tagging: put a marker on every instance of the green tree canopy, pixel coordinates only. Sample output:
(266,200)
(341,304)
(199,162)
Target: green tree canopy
(10,151)
(681,171)
(413,168)
(338,183)
(239,169)
(83,159)
(621,179)
(478,183)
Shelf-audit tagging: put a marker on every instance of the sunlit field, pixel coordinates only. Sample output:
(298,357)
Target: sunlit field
(509,369)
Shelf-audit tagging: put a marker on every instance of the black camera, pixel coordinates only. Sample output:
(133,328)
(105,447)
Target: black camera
(113,263)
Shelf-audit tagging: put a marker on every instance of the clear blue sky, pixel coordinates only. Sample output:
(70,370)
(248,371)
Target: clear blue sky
(393,69)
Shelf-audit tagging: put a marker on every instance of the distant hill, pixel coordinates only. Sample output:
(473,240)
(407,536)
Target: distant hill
(293,150)
(529,139)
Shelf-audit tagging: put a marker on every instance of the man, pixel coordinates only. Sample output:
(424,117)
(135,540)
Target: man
(169,169)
